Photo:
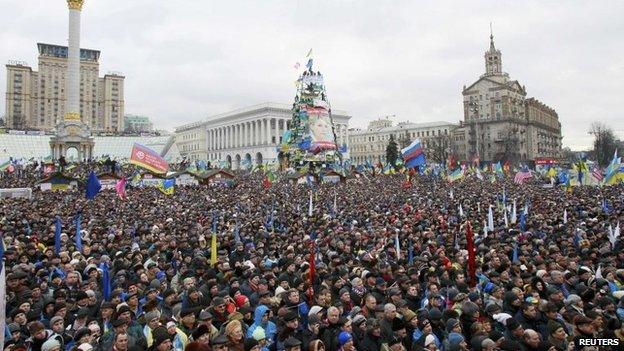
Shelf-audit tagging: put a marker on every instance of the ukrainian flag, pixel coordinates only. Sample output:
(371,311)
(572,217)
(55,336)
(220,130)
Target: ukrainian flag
(166,186)
(456,175)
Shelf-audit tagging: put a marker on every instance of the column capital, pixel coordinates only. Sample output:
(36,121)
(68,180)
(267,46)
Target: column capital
(75,4)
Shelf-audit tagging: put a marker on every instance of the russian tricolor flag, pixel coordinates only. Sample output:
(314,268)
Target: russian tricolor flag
(413,155)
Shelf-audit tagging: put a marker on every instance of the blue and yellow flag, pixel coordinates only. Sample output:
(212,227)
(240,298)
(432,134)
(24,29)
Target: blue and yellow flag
(166,186)
(456,175)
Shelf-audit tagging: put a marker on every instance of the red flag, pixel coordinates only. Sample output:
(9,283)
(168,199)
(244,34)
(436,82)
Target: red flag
(310,291)
(472,274)
(266,183)
(407,184)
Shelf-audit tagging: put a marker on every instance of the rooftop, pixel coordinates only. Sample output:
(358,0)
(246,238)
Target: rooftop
(38,146)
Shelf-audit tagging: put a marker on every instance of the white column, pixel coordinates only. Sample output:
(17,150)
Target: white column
(267,131)
(251,133)
(73,63)
(220,138)
(225,137)
(214,139)
(243,135)
(228,139)
(274,130)
(248,133)
(239,132)
(258,129)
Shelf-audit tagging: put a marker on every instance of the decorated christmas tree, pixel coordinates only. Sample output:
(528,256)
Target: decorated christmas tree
(311,136)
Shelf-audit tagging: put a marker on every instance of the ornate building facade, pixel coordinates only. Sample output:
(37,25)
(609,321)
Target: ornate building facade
(500,123)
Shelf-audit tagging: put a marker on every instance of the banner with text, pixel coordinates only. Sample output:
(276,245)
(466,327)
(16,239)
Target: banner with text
(149,159)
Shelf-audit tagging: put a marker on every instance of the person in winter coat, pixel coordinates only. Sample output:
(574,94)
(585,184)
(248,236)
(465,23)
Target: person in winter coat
(372,340)
(261,320)
(311,333)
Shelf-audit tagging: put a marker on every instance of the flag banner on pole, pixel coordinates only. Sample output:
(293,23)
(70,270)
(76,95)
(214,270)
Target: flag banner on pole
(521,177)
(413,155)
(471,256)
(149,159)
(120,187)
(93,186)
(57,235)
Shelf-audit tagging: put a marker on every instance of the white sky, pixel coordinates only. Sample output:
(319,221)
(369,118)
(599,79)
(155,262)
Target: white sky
(187,59)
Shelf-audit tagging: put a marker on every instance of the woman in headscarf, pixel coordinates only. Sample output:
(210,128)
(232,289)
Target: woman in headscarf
(234,334)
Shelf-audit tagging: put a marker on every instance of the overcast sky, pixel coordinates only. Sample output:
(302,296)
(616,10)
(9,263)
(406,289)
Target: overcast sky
(188,59)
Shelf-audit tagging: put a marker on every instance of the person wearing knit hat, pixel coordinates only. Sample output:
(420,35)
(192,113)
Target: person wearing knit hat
(453,326)
(202,334)
(51,345)
(515,331)
(292,344)
(557,335)
(161,340)
(241,300)
(456,342)
(488,345)
(430,342)
(251,344)
(315,310)
(345,340)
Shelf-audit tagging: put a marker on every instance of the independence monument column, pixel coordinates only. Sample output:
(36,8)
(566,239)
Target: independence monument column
(72,111)
(71,132)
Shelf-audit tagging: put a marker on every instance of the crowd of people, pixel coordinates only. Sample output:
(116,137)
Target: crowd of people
(389,267)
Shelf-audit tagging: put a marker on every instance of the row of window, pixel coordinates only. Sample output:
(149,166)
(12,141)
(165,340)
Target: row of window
(418,134)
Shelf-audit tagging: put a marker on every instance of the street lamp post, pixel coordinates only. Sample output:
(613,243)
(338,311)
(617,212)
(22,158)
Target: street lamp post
(473,108)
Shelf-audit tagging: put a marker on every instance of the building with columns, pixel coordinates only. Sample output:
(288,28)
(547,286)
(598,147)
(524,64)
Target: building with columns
(370,144)
(244,136)
(501,123)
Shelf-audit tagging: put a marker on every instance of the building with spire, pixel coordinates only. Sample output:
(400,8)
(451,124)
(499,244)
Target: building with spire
(501,124)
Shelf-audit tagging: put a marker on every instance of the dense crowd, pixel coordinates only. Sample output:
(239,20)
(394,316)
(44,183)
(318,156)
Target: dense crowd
(389,268)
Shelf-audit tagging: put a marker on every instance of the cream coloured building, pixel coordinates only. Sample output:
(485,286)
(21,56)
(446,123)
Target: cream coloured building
(249,135)
(38,99)
(501,124)
(370,144)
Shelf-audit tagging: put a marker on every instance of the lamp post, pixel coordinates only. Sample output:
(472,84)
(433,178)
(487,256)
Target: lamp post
(473,108)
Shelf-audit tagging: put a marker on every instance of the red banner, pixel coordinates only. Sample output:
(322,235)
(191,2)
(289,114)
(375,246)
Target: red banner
(472,281)
(148,159)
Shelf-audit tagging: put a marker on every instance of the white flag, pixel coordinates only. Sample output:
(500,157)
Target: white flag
(478,207)
(490,219)
(513,212)
(599,272)
(485,230)
(565,216)
(310,207)
(398,246)
(506,220)
(616,234)
(451,194)
(461,211)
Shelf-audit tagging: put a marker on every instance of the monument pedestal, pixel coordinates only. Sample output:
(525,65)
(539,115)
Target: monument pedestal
(72,134)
